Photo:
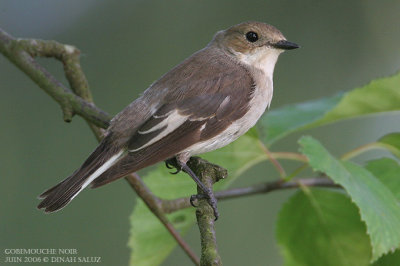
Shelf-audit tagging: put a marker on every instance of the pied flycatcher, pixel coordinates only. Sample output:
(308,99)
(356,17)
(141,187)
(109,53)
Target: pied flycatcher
(202,104)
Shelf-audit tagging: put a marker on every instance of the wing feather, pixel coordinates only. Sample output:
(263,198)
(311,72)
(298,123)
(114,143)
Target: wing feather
(204,101)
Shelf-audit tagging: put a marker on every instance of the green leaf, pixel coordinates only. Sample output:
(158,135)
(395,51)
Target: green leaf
(149,240)
(389,259)
(378,206)
(393,141)
(388,172)
(285,120)
(322,227)
(380,95)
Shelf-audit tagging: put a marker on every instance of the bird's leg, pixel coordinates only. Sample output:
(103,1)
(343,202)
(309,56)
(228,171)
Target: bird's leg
(208,193)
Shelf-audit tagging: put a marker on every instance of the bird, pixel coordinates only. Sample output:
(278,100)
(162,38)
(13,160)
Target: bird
(202,104)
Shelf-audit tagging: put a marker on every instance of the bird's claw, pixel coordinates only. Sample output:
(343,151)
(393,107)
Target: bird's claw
(213,203)
(174,173)
(194,198)
(170,165)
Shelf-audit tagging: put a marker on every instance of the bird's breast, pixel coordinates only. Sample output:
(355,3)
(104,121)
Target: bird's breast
(259,102)
(261,99)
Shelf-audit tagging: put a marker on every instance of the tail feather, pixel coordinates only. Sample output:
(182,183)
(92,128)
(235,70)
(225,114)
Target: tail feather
(130,163)
(120,169)
(50,190)
(61,194)
(58,198)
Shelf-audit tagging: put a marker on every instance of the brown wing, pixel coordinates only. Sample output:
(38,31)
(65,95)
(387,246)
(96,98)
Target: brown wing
(179,124)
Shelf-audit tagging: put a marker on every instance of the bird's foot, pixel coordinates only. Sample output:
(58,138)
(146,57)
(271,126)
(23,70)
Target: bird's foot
(207,192)
(212,201)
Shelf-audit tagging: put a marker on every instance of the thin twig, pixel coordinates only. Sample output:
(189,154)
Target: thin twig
(170,206)
(276,185)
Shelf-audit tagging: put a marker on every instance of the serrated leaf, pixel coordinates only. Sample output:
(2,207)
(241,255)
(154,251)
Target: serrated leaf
(380,95)
(378,206)
(391,259)
(150,242)
(322,227)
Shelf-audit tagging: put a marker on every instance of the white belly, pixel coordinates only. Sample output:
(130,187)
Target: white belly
(261,100)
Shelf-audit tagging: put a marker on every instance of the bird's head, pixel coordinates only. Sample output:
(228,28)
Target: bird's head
(254,43)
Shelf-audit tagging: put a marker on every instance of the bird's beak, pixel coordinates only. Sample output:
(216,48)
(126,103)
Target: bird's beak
(285,45)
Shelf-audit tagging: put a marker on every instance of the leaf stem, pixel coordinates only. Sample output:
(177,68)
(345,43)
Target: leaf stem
(367,147)
(289,156)
(275,162)
(296,172)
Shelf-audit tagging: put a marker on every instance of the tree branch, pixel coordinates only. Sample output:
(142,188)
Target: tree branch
(19,52)
(208,174)
(170,206)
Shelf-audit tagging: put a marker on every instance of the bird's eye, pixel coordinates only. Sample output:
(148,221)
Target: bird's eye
(251,36)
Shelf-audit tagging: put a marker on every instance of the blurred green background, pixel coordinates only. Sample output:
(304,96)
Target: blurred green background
(126,45)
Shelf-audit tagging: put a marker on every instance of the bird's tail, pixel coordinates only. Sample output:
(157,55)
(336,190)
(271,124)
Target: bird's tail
(98,162)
